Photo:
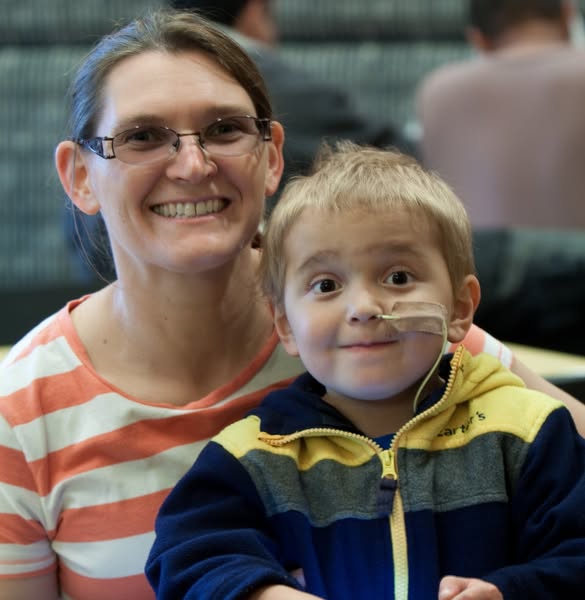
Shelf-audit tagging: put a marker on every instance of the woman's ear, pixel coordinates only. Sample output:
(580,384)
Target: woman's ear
(465,304)
(275,159)
(284,331)
(72,170)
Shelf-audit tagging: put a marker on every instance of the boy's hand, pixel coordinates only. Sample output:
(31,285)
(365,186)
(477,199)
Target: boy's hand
(461,588)
(281,592)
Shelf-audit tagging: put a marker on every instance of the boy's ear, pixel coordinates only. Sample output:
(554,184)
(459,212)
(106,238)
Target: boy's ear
(465,304)
(72,170)
(284,331)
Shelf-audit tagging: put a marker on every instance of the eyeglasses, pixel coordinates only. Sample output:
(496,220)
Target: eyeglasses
(147,144)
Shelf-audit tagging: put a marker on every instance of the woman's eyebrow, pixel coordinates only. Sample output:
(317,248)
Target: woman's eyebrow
(206,117)
(135,120)
(232,110)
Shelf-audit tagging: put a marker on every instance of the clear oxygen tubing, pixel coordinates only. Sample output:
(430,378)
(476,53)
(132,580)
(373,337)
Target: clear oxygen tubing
(419,317)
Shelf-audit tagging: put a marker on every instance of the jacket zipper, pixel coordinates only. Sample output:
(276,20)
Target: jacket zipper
(397,521)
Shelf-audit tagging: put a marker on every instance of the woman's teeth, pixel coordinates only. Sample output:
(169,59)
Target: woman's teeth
(181,210)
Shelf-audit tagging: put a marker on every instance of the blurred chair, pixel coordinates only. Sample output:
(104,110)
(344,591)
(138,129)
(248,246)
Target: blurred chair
(533,286)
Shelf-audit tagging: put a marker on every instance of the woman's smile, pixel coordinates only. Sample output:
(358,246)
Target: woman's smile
(185,210)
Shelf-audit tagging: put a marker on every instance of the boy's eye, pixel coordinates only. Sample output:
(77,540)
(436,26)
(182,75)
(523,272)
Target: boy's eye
(324,286)
(398,278)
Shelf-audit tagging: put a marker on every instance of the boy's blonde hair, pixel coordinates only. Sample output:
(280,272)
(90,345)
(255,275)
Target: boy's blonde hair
(350,178)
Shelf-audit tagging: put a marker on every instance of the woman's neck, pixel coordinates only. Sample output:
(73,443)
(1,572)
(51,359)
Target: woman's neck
(190,338)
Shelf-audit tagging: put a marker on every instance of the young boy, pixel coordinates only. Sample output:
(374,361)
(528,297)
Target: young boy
(387,471)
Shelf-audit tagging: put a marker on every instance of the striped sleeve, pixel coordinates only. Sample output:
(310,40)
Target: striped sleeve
(477,340)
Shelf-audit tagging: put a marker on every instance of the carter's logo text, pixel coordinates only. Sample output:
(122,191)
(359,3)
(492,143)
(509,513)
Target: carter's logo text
(448,431)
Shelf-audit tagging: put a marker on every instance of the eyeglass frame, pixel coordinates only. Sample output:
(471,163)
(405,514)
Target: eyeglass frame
(96,144)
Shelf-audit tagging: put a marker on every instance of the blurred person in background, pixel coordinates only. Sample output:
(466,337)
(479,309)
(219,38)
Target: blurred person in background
(506,130)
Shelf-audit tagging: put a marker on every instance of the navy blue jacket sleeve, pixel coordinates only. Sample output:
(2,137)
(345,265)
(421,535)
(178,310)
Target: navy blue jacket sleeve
(213,538)
(548,515)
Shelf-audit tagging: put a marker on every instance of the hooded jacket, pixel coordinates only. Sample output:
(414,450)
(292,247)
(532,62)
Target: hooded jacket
(486,480)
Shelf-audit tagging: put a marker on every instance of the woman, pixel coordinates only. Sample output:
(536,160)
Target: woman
(105,405)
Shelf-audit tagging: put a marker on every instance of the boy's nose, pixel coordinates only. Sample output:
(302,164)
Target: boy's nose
(364,306)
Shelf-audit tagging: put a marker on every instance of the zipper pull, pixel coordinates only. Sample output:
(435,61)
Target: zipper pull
(388,484)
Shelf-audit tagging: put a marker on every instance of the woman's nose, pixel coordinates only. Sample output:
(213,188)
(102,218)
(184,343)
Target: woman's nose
(191,162)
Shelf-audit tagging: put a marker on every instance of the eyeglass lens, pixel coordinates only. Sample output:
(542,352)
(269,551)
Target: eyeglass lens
(231,136)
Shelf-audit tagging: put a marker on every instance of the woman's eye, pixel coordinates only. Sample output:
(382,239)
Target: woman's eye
(144,136)
(224,128)
(325,286)
(398,278)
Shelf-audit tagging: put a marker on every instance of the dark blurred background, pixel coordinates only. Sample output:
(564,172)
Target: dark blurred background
(377,49)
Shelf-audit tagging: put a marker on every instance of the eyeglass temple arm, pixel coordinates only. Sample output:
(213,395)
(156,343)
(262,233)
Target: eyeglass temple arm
(96,145)
(265,126)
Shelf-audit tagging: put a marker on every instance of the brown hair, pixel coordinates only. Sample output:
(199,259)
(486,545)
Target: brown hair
(166,30)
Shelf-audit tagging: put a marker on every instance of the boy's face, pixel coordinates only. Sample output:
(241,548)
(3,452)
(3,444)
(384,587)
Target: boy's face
(343,269)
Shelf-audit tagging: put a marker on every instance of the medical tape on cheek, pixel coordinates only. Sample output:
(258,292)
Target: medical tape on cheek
(416,317)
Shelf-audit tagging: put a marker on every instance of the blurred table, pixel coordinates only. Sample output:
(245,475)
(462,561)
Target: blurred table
(550,364)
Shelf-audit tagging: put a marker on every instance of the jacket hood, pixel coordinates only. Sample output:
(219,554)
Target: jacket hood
(301,406)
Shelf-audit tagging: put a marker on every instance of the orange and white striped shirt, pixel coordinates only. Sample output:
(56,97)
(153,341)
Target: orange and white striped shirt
(85,467)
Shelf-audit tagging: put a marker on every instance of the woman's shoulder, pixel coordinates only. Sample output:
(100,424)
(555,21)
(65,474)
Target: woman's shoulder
(43,358)
(477,341)
(44,339)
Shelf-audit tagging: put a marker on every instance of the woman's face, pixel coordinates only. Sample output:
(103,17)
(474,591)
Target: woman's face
(185,92)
